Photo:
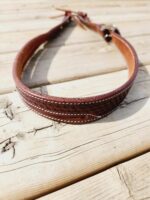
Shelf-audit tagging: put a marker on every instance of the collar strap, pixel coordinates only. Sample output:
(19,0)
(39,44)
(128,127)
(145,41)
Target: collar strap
(75,110)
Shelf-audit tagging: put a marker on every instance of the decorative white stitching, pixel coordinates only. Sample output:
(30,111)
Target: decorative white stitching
(71,121)
(74,103)
(131,50)
(61,120)
(58,113)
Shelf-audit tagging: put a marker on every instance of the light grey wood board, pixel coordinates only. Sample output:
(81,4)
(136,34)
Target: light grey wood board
(73,61)
(127,181)
(42,145)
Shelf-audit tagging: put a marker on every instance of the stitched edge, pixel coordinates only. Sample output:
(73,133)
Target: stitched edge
(72,121)
(65,121)
(58,113)
(73,103)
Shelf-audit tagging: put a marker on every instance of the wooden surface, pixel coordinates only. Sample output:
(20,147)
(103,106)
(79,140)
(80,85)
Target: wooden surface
(39,156)
(129,180)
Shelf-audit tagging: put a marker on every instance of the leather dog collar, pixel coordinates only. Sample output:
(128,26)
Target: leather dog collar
(75,110)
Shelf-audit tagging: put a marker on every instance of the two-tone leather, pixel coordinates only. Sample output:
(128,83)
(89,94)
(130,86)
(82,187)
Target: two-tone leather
(75,110)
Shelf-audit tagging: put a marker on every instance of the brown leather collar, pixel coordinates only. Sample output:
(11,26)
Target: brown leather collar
(75,110)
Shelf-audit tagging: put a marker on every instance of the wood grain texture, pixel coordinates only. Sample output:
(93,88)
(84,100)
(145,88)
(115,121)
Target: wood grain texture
(16,32)
(38,156)
(57,64)
(127,181)
(44,146)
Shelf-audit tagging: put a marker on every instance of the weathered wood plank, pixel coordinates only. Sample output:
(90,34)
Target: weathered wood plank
(83,88)
(44,21)
(134,2)
(12,41)
(37,155)
(57,149)
(131,28)
(73,61)
(129,180)
(15,20)
(83,60)
(109,5)
(110,12)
